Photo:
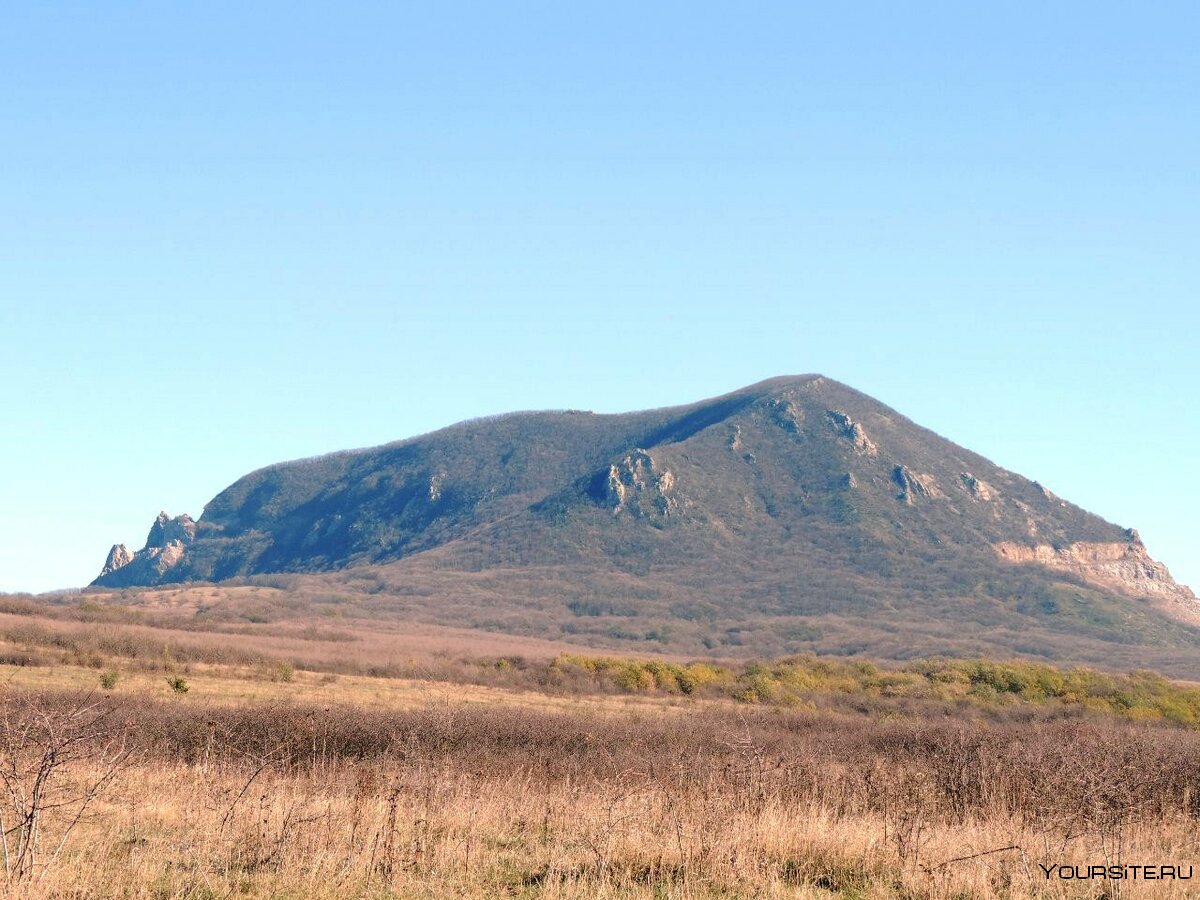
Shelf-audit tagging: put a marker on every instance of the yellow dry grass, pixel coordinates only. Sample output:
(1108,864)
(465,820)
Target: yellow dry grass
(251,685)
(374,831)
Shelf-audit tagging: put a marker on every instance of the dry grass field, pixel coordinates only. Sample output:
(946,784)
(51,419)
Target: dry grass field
(185,798)
(143,759)
(352,786)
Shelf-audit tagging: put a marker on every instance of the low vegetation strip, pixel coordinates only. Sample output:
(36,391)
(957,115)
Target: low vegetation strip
(788,682)
(994,688)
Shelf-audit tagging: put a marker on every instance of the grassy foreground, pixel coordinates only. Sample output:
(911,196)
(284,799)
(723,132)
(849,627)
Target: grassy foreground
(579,776)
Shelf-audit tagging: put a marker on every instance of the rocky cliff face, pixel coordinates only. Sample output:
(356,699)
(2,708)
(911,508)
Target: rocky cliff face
(1125,566)
(853,432)
(637,485)
(166,546)
(118,557)
(915,486)
(166,531)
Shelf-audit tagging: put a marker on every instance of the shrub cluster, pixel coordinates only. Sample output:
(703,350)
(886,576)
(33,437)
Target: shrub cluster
(795,680)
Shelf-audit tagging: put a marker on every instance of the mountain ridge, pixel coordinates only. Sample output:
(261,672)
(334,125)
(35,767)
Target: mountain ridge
(795,496)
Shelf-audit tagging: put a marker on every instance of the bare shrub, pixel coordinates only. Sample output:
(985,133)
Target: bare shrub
(55,759)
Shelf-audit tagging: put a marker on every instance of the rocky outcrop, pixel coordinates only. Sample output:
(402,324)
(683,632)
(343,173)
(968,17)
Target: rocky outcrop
(787,415)
(1127,568)
(167,530)
(166,545)
(118,557)
(435,486)
(914,485)
(852,431)
(977,487)
(163,558)
(637,485)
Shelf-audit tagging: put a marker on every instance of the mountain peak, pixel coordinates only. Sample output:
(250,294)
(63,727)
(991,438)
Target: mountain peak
(796,488)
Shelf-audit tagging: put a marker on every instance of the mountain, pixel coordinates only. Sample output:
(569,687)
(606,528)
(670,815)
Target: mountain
(793,514)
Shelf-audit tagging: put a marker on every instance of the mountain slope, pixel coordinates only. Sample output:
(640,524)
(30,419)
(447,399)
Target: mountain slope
(786,501)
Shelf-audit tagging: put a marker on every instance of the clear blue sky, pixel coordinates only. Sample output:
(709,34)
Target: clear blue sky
(237,233)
